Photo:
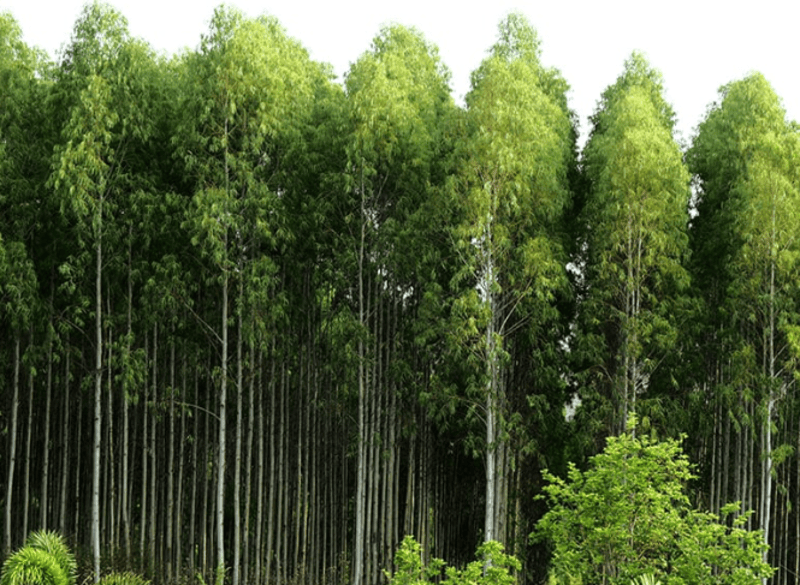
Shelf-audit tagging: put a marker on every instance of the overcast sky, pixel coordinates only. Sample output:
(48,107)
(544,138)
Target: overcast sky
(698,45)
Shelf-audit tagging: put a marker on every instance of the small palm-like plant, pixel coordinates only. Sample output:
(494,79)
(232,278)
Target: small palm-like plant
(53,543)
(32,566)
(646,579)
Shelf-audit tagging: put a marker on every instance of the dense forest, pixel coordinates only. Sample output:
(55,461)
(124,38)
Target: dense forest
(256,317)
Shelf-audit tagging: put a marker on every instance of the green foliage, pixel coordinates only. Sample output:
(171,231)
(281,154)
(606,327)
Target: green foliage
(629,515)
(219,575)
(634,244)
(247,94)
(745,156)
(124,578)
(637,72)
(54,544)
(18,284)
(510,190)
(32,566)
(409,568)
(646,579)
(492,567)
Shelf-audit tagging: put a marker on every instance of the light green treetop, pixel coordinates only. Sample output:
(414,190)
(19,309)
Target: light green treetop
(634,242)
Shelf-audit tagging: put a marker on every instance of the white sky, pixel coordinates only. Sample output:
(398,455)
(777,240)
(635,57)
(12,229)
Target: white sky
(698,45)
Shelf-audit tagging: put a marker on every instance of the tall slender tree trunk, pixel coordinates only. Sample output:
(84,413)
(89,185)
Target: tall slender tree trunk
(237,469)
(358,556)
(223,397)
(196,477)
(169,559)
(491,390)
(145,433)
(155,566)
(12,450)
(108,524)
(45,497)
(124,480)
(283,475)
(274,437)
(248,466)
(181,460)
(77,507)
(797,512)
(65,442)
(220,505)
(259,521)
(26,493)
(205,518)
(98,392)
(773,379)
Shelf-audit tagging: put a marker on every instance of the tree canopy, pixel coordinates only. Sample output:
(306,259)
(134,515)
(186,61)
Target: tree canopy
(260,325)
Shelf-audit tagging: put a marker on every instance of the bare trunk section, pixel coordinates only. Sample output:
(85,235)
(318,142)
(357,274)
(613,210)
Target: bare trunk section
(12,449)
(271,511)
(491,388)
(155,566)
(223,397)
(98,410)
(248,466)
(27,459)
(65,442)
(169,557)
(145,429)
(220,504)
(124,480)
(257,577)
(237,469)
(358,555)
(45,498)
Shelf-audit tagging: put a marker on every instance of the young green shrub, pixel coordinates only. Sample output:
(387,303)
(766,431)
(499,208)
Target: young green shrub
(564,578)
(493,567)
(54,544)
(409,567)
(629,516)
(123,578)
(32,566)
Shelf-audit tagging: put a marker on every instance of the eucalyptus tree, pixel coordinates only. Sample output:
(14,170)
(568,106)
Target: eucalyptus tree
(397,100)
(95,168)
(634,243)
(511,187)
(24,158)
(18,296)
(247,86)
(745,155)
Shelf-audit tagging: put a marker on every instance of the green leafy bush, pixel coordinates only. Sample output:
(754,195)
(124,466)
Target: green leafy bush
(54,544)
(124,578)
(32,566)
(629,515)
(646,579)
(493,567)
(410,569)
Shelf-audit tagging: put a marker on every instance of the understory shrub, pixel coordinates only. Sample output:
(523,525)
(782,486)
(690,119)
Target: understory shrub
(491,567)
(32,566)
